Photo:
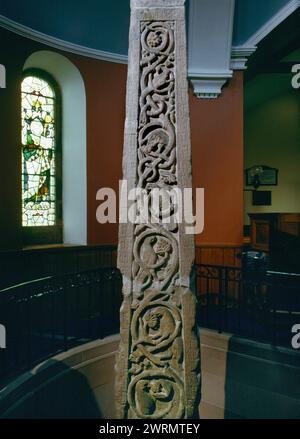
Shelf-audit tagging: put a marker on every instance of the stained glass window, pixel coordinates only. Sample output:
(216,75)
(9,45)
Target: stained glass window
(38,153)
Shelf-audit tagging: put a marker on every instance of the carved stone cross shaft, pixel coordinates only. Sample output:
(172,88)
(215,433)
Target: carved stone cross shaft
(158,365)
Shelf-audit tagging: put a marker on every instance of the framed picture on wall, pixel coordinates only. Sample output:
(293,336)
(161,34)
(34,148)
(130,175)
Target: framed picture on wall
(261,175)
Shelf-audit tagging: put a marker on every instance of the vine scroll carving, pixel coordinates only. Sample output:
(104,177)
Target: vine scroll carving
(158,367)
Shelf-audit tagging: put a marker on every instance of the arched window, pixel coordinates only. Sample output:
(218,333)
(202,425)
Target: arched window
(41,159)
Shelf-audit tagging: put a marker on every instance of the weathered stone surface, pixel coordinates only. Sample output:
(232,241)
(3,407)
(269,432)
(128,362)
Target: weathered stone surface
(156,3)
(158,366)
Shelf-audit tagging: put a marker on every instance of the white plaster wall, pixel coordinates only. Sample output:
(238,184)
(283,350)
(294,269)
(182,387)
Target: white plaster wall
(73,141)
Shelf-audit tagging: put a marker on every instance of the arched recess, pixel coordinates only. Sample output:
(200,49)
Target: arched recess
(73,141)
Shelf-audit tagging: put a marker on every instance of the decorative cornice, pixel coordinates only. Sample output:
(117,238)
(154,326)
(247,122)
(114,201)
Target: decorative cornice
(240,55)
(57,43)
(274,21)
(209,85)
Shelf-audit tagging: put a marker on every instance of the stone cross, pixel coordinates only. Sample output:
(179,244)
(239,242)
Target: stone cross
(158,363)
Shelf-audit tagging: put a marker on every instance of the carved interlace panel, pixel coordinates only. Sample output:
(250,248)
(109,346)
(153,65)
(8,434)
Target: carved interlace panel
(156,246)
(158,370)
(156,383)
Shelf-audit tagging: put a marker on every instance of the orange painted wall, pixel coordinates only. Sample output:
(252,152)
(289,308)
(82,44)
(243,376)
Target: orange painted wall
(217,145)
(217,154)
(105,85)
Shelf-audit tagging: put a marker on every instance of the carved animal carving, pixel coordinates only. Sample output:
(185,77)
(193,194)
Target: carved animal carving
(159,349)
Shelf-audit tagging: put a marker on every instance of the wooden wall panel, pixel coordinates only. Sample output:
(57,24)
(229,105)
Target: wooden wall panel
(218,255)
(35,263)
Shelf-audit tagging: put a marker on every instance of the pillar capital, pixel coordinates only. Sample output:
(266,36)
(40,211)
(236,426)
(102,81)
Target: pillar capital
(210,52)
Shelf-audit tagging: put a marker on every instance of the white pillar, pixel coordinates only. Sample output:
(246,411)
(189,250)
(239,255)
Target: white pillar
(210,43)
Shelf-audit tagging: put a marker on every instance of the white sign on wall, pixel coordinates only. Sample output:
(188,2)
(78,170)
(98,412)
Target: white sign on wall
(2,337)
(2,76)
(296,76)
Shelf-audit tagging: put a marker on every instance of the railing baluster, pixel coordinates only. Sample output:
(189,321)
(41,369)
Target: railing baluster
(65,316)
(59,300)
(76,310)
(226,285)
(41,324)
(52,320)
(208,302)
(100,309)
(90,309)
(240,289)
(17,333)
(255,308)
(41,314)
(274,306)
(220,300)
(29,334)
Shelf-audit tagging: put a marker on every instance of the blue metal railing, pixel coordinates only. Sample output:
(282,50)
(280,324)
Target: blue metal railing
(50,315)
(264,307)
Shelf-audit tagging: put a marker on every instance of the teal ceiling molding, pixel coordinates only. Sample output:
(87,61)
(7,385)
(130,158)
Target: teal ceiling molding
(95,24)
(251,15)
(61,44)
(99,28)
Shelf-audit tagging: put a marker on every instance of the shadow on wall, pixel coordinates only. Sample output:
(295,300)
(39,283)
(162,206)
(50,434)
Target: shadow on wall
(262,381)
(240,379)
(68,396)
(78,383)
